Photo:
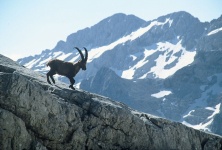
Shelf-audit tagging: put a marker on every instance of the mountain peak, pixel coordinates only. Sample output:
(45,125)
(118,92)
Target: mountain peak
(104,32)
(177,16)
(121,16)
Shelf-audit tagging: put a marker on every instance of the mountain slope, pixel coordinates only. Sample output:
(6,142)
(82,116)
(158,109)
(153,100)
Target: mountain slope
(212,37)
(35,115)
(136,94)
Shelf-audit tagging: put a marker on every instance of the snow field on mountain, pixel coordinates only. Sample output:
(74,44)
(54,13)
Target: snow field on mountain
(32,63)
(169,56)
(97,52)
(201,103)
(183,60)
(128,74)
(205,125)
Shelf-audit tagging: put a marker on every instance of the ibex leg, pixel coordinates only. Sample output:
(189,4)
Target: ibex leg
(72,81)
(50,74)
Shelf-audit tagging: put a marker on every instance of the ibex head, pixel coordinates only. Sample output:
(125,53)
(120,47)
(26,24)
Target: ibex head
(82,62)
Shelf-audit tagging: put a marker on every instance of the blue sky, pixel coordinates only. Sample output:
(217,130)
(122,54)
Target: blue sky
(29,26)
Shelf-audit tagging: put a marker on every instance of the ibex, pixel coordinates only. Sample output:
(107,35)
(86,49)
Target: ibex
(67,69)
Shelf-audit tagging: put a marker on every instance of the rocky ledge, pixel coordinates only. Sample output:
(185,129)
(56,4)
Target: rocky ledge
(38,116)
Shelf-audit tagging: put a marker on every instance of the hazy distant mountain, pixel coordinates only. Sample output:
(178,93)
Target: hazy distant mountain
(170,66)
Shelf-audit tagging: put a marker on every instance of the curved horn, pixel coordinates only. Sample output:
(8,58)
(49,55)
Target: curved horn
(80,52)
(86,54)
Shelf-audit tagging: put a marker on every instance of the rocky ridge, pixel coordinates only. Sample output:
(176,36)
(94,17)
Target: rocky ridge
(35,115)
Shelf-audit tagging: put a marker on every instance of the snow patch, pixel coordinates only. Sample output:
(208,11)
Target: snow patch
(201,126)
(185,59)
(43,62)
(56,54)
(215,110)
(74,59)
(205,126)
(63,56)
(128,74)
(32,63)
(215,31)
(170,22)
(133,57)
(202,103)
(161,94)
(169,55)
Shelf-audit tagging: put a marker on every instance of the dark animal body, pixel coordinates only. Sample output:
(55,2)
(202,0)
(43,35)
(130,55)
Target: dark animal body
(67,69)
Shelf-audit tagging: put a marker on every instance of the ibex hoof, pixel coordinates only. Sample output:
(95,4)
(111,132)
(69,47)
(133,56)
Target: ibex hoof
(71,86)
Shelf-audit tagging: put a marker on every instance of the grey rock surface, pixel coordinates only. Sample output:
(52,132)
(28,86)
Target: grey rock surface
(35,115)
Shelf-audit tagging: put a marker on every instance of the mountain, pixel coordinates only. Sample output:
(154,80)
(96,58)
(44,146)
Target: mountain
(169,66)
(36,115)
(136,94)
(96,36)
